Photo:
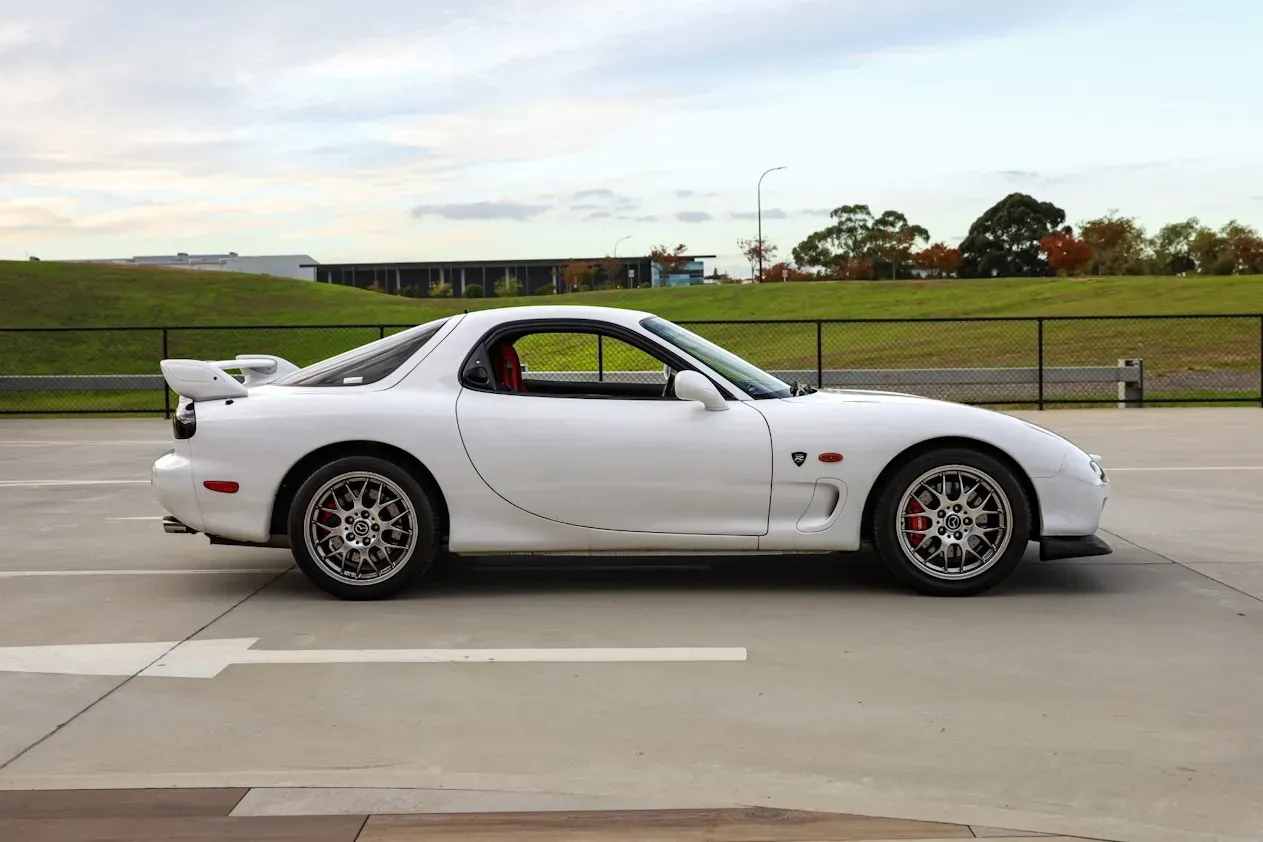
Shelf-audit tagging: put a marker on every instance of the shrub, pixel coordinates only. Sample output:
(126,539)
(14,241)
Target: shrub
(440,289)
(473,291)
(508,286)
(547,289)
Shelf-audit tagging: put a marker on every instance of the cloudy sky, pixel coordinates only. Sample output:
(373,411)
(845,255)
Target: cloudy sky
(466,129)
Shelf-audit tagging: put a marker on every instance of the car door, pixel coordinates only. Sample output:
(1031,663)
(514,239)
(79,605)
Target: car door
(612,448)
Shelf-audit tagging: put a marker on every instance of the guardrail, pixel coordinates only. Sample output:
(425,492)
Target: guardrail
(1128,375)
(1131,361)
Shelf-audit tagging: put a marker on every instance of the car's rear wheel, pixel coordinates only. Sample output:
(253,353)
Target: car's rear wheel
(952,522)
(362,528)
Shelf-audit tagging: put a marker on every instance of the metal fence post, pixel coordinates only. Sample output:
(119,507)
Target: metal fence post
(381,331)
(819,354)
(166,390)
(1040,333)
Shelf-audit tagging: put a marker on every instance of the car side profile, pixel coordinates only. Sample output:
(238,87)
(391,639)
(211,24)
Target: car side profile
(592,430)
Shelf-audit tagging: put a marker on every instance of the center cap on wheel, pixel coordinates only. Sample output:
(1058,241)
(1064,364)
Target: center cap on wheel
(953,522)
(361,528)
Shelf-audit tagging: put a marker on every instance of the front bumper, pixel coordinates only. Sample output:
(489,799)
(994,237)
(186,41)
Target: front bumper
(1056,547)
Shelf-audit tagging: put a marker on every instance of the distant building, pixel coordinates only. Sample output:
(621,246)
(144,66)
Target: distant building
(300,266)
(415,277)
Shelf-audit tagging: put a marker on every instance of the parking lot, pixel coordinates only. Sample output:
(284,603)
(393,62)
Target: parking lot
(1116,697)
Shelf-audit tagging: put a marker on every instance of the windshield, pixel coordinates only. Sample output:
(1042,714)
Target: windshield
(749,378)
(367,363)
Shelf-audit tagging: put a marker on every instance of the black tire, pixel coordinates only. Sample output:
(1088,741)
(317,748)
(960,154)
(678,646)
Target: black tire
(902,560)
(411,564)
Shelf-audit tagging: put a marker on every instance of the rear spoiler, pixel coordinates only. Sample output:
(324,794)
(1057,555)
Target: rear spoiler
(208,380)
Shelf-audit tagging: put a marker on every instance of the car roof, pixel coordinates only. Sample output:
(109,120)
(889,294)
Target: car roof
(498,315)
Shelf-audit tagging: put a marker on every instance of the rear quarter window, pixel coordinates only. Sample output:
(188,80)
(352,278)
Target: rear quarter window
(367,364)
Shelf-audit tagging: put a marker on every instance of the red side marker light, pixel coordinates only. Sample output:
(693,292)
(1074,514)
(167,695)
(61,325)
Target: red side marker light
(830,457)
(222,486)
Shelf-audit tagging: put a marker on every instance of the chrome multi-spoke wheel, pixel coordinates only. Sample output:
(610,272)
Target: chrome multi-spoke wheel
(361,527)
(952,521)
(955,522)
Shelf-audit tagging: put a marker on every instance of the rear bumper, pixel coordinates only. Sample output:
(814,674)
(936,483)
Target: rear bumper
(1054,547)
(172,481)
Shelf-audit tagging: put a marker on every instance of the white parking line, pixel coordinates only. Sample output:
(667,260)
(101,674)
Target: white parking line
(146,517)
(35,574)
(39,483)
(1189,468)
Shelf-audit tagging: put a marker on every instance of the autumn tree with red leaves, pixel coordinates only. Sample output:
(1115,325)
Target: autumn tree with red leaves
(939,259)
(1065,253)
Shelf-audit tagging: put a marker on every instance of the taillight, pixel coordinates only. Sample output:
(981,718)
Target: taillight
(184,424)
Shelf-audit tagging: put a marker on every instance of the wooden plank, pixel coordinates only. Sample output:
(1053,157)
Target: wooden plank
(731,825)
(218,829)
(117,803)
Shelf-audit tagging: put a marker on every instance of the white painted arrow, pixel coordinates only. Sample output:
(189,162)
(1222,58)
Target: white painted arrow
(208,658)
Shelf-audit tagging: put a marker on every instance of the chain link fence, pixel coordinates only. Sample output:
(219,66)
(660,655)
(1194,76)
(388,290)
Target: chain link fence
(1001,362)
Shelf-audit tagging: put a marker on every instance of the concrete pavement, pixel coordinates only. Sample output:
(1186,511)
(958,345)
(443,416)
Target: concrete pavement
(1115,698)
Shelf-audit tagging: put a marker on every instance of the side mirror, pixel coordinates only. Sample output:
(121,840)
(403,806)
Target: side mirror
(691,386)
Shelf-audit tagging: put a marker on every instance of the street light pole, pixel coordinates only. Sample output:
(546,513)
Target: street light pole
(620,239)
(760,213)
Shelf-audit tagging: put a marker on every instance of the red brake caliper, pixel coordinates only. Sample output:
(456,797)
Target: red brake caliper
(916,525)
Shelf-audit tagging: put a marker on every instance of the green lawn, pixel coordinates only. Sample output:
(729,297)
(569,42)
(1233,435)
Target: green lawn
(64,294)
(59,295)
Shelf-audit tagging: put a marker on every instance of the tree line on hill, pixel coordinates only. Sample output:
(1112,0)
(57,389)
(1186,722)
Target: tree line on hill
(1020,236)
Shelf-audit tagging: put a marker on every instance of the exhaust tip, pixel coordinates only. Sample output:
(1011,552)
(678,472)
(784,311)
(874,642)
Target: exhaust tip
(170,524)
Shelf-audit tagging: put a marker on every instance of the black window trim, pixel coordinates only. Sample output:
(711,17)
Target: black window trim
(656,349)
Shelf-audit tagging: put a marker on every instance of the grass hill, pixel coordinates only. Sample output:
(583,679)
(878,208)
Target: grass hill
(1219,352)
(46,294)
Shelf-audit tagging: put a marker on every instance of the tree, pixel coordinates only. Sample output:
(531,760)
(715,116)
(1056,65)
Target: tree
(754,249)
(612,268)
(1245,245)
(576,274)
(1004,241)
(891,238)
(669,260)
(1212,252)
(1067,254)
(1172,246)
(815,251)
(1118,244)
(939,259)
(857,243)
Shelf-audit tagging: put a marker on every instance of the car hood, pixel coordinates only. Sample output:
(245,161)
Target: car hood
(844,396)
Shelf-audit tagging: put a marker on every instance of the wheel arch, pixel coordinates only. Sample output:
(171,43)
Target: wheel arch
(304,467)
(944,442)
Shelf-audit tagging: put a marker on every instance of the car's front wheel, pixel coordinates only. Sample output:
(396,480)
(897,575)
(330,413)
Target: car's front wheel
(952,522)
(362,528)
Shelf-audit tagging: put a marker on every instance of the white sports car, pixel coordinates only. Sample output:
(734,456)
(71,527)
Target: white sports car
(593,430)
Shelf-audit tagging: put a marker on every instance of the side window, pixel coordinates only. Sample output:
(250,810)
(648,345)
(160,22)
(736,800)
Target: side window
(578,364)
(367,364)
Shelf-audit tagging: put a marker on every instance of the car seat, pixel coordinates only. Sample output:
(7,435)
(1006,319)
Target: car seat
(508,368)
